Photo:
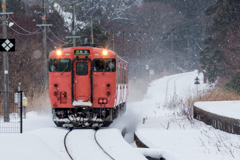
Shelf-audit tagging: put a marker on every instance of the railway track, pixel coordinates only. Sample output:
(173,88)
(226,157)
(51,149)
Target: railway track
(174,87)
(167,90)
(95,138)
(65,144)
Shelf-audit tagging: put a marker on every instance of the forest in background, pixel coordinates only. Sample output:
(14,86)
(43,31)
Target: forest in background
(167,35)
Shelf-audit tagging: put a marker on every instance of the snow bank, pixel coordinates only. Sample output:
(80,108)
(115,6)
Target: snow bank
(229,109)
(172,133)
(156,153)
(25,147)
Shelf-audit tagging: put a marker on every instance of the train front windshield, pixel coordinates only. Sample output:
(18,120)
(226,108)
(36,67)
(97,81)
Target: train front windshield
(59,65)
(104,65)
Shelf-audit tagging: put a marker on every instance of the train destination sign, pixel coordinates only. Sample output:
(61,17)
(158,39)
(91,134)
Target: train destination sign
(82,52)
(7,45)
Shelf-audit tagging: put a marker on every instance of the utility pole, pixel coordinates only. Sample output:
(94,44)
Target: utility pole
(172,51)
(92,41)
(44,25)
(5,65)
(5,68)
(134,58)
(188,50)
(113,40)
(73,25)
(73,37)
(140,47)
(123,44)
(45,77)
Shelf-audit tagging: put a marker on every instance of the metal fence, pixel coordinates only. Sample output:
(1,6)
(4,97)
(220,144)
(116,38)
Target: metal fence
(10,113)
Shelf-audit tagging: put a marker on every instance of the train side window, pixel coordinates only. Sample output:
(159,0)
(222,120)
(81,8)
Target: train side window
(119,78)
(59,65)
(125,76)
(82,68)
(104,65)
(122,76)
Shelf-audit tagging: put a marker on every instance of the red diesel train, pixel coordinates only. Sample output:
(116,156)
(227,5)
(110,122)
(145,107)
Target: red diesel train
(88,86)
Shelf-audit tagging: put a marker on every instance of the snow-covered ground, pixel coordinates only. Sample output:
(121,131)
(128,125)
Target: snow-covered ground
(168,128)
(167,131)
(42,140)
(224,108)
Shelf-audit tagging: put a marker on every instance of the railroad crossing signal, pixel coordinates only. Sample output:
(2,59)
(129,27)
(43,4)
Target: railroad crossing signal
(196,81)
(7,45)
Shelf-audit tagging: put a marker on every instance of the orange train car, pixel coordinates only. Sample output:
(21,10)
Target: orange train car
(88,86)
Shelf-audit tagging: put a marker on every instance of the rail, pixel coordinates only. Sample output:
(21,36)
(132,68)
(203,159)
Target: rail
(95,138)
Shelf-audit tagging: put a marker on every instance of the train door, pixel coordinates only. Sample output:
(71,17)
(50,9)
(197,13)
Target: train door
(82,83)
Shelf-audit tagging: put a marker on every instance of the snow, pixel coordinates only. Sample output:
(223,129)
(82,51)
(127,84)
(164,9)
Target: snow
(41,139)
(81,103)
(167,131)
(24,147)
(156,153)
(187,141)
(224,108)
(67,16)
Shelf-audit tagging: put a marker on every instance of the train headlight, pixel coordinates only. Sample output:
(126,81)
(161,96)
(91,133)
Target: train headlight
(104,101)
(100,101)
(105,52)
(59,52)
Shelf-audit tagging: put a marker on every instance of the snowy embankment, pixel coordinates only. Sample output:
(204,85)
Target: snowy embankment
(168,126)
(229,109)
(223,115)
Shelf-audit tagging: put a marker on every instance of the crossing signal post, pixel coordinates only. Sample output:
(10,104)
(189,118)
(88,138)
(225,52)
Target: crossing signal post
(6,45)
(197,83)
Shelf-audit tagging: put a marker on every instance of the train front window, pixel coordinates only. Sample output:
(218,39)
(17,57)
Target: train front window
(59,65)
(82,68)
(104,65)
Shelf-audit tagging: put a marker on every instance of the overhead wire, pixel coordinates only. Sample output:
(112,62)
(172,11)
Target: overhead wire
(54,35)
(58,43)
(50,38)
(23,28)
(52,41)
(36,32)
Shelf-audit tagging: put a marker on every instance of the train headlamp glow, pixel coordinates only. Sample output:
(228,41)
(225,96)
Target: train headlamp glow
(59,52)
(105,52)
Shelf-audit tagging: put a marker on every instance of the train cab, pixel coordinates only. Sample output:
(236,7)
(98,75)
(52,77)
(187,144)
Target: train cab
(87,86)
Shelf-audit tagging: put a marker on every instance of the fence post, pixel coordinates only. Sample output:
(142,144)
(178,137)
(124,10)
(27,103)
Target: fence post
(21,112)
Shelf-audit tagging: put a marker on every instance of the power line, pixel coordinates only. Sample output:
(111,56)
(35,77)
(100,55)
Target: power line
(54,35)
(61,40)
(36,32)
(52,40)
(21,27)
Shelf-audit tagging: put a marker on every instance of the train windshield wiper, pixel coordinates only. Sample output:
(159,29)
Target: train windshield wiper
(65,69)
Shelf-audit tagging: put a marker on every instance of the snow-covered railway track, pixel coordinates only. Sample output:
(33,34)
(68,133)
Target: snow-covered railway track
(65,144)
(95,137)
(96,140)
(174,85)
